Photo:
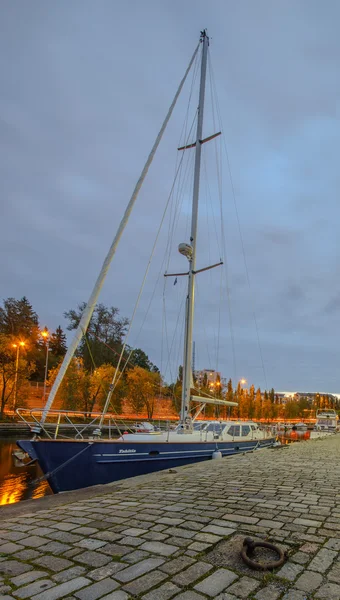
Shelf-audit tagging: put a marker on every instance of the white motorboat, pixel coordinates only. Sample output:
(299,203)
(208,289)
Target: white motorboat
(326,423)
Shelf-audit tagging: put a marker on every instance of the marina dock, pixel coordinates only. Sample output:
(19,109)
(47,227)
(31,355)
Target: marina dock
(178,535)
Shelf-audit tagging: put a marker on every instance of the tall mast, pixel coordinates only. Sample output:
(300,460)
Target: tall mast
(191,254)
(90,306)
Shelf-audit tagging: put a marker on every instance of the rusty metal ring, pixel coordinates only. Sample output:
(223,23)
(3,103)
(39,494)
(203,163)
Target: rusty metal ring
(249,546)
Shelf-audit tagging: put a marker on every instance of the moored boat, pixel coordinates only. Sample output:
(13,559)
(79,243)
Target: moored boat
(70,464)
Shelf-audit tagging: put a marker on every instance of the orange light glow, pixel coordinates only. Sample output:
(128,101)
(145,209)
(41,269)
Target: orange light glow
(45,334)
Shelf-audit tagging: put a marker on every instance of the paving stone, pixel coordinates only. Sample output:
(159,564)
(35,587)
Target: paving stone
(323,560)
(307,522)
(136,556)
(267,523)
(27,554)
(308,581)
(28,591)
(114,550)
(134,531)
(334,573)
(132,541)
(97,590)
(34,541)
(109,536)
(198,546)
(330,591)
(159,548)
(138,569)
(216,583)
(65,536)
(243,587)
(270,592)
(189,595)
(164,592)
(144,583)
(223,531)
(93,559)
(55,548)
(41,531)
(119,595)
(170,521)
(333,544)
(90,544)
(27,577)
(85,530)
(13,567)
(176,565)
(209,538)
(65,526)
(53,563)
(300,557)
(190,575)
(294,595)
(106,571)
(68,574)
(240,519)
(62,590)
(10,548)
(72,552)
(290,571)
(12,536)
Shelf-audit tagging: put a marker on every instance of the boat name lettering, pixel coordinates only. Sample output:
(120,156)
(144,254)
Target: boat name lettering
(128,450)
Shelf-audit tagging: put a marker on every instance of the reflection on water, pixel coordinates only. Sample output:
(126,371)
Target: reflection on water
(16,482)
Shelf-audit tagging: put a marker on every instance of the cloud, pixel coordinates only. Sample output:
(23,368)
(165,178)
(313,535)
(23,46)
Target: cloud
(85,87)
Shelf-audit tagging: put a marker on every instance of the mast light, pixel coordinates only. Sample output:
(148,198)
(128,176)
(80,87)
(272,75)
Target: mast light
(186,250)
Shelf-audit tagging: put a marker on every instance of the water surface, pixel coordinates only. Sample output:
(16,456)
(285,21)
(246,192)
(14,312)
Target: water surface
(17,483)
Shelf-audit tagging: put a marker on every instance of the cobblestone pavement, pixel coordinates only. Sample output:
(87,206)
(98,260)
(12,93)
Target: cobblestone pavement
(177,535)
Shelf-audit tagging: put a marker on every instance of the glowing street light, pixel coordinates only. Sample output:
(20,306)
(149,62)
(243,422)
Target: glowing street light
(243,381)
(45,334)
(17,346)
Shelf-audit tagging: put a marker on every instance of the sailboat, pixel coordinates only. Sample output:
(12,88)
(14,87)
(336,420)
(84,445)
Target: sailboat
(70,464)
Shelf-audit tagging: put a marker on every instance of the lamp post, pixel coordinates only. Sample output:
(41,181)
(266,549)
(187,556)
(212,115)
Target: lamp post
(17,346)
(45,335)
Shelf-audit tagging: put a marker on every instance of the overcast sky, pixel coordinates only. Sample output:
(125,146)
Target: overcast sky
(84,88)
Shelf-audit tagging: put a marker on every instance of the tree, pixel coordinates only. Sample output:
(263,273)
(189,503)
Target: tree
(100,381)
(72,391)
(139,358)
(142,388)
(104,336)
(251,411)
(18,319)
(57,342)
(258,404)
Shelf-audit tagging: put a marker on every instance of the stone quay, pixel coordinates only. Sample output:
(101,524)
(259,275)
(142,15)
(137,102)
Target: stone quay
(178,534)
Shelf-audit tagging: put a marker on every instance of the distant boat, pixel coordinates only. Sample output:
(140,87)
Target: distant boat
(326,423)
(75,463)
(299,426)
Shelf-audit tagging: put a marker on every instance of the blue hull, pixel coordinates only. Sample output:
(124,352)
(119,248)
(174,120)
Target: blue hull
(71,465)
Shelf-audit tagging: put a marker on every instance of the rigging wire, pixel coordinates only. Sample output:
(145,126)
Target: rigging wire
(239,225)
(115,379)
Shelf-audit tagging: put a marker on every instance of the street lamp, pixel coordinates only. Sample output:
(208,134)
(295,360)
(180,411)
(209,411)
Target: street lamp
(17,346)
(45,335)
(243,381)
